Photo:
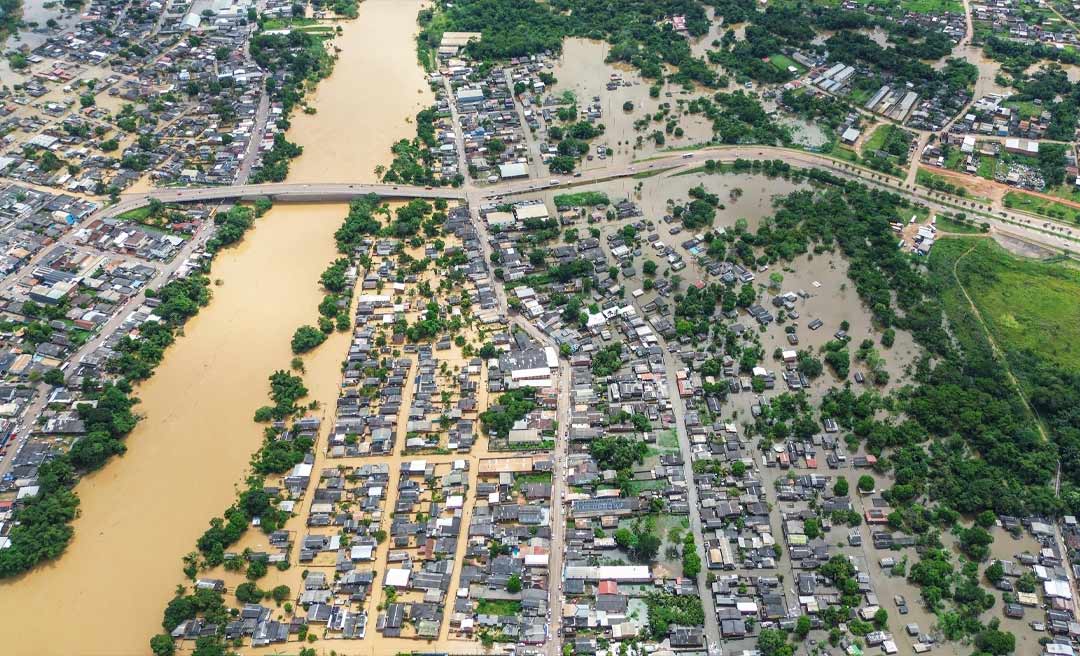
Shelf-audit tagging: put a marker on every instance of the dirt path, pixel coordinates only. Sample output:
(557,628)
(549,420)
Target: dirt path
(998,354)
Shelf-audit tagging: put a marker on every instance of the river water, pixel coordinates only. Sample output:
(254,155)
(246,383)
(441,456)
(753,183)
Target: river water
(145,510)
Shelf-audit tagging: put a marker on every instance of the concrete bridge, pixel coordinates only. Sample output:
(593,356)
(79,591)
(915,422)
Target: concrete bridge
(321,192)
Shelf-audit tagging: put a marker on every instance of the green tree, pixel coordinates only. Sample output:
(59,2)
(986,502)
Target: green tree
(773,642)
(306,338)
(513,584)
(54,377)
(162,645)
(802,627)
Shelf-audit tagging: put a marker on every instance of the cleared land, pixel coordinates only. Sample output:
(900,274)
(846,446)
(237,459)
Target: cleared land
(1028,305)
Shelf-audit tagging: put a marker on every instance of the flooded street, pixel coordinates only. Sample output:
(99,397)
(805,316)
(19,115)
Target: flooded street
(145,510)
(988,70)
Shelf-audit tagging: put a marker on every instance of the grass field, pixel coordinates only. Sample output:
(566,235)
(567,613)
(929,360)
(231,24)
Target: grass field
(948,225)
(581,199)
(138,215)
(843,152)
(286,23)
(1018,200)
(921,6)
(1066,191)
(782,62)
(1026,108)
(521,480)
(1027,305)
(955,160)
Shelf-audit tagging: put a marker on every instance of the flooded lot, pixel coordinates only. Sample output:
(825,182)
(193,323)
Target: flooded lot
(583,71)
(144,510)
(988,70)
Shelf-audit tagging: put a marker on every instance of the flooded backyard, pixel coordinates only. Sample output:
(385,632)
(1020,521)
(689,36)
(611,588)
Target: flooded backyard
(145,510)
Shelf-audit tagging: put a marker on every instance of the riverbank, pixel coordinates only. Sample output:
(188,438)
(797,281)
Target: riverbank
(139,514)
(142,513)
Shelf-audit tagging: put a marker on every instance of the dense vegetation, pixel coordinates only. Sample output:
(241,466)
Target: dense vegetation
(618,453)
(508,409)
(1027,307)
(413,159)
(666,610)
(639,31)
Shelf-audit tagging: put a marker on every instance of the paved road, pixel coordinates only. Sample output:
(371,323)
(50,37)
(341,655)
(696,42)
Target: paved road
(1056,236)
(257,131)
(712,628)
(283,191)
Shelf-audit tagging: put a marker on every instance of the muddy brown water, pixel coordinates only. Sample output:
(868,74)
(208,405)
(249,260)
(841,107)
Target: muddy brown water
(145,510)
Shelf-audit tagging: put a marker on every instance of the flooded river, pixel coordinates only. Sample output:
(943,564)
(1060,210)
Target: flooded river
(362,109)
(145,510)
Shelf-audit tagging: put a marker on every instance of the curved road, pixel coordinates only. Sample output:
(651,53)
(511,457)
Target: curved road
(1047,233)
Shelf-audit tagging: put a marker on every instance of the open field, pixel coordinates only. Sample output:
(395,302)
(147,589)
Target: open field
(881,138)
(1027,305)
(782,62)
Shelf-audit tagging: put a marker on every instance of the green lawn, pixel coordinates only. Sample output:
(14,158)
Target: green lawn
(987,165)
(668,440)
(138,215)
(860,96)
(843,152)
(948,225)
(286,23)
(521,480)
(904,214)
(920,6)
(1066,191)
(581,199)
(955,160)
(782,62)
(498,607)
(1026,108)
(877,139)
(637,487)
(1018,200)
